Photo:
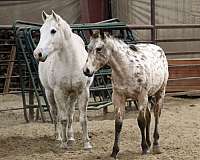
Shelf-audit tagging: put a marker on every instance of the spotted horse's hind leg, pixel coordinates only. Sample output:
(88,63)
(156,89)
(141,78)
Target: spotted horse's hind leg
(144,121)
(159,98)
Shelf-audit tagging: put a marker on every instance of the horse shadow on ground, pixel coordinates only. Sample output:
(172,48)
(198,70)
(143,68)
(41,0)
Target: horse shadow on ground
(18,145)
(123,155)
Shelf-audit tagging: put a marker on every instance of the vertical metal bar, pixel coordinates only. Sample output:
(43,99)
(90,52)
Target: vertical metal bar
(109,9)
(10,70)
(31,101)
(153,21)
(23,93)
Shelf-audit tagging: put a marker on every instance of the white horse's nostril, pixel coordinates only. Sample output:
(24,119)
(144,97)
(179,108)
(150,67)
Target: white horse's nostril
(87,72)
(40,55)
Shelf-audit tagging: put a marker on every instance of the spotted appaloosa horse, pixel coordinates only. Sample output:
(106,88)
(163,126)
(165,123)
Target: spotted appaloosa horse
(138,72)
(62,56)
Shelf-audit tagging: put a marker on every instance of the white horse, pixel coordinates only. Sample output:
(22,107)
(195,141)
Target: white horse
(138,72)
(62,56)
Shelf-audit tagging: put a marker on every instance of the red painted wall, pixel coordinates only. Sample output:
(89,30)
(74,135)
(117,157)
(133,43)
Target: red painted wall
(93,10)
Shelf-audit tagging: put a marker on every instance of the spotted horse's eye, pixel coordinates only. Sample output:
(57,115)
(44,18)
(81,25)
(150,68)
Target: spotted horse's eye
(98,49)
(53,31)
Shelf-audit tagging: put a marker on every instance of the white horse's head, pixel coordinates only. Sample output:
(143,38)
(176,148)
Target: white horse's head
(52,35)
(98,53)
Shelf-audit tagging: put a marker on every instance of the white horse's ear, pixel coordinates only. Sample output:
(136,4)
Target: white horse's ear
(44,15)
(55,16)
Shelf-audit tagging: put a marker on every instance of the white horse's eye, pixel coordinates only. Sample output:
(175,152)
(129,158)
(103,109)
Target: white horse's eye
(53,31)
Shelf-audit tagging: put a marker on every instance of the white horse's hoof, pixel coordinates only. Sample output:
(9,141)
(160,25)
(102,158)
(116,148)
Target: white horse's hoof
(70,141)
(87,146)
(63,145)
(58,138)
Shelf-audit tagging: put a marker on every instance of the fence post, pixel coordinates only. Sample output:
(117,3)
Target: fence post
(153,22)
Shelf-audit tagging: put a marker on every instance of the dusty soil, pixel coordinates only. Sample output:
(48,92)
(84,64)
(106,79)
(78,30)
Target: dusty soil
(179,135)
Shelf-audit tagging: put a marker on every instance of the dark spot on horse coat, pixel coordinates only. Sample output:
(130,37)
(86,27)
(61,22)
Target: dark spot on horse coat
(133,47)
(145,86)
(137,74)
(143,57)
(139,80)
(161,53)
(131,60)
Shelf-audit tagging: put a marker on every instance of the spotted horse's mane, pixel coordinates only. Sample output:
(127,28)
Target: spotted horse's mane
(131,46)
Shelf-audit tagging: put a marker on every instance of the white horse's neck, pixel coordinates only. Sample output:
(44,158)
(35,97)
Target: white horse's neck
(72,53)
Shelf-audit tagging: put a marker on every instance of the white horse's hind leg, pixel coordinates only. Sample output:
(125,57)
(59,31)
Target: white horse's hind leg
(53,110)
(82,105)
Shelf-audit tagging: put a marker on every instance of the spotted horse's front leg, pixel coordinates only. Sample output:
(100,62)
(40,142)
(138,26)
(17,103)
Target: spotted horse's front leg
(119,102)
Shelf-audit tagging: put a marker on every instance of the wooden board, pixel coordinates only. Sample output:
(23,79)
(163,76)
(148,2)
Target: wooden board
(184,75)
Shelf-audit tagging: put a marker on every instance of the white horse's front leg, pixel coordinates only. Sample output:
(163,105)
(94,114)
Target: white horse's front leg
(54,112)
(70,132)
(82,105)
(61,103)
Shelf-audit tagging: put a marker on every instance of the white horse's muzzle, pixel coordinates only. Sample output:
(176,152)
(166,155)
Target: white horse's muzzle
(38,55)
(87,72)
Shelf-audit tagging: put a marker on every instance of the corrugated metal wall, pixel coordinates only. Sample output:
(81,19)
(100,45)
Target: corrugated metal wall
(167,12)
(30,10)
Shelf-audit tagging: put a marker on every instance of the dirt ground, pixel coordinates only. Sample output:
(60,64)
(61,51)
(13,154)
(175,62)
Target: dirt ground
(179,135)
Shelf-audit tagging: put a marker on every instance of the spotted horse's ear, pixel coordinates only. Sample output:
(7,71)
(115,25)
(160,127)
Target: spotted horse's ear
(94,33)
(102,34)
(91,32)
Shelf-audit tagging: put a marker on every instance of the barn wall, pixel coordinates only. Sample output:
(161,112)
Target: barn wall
(94,10)
(29,10)
(167,12)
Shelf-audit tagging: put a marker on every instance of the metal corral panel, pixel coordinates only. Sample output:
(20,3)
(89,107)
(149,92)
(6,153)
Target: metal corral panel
(29,10)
